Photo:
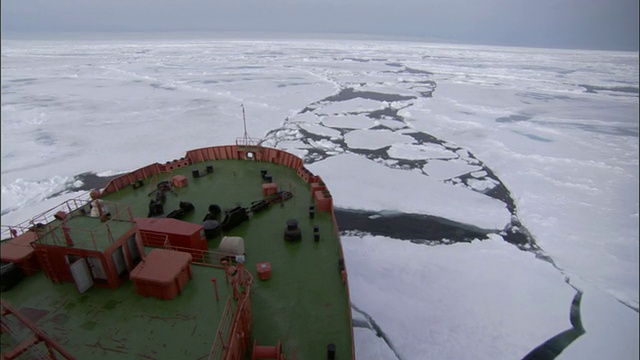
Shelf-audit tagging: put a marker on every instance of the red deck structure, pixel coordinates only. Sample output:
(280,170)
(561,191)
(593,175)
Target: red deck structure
(179,233)
(19,251)
(162,274)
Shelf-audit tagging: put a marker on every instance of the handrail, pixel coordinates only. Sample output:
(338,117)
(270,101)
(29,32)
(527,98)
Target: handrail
(231,342)
(47,234)
(12,231)
(39,334)
(47,216)
(247,141)
(153,239)
(223,332)
(211,258)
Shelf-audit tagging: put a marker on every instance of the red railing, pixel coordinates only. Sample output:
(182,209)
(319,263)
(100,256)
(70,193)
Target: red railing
(46,217)
(247,141)
(29,341)
(223,332)
(49,234)
(232,340)
(154,239)
(209,258)
(13,231)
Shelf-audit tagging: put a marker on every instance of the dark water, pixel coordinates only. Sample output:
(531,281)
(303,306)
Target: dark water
(622,89)
(417,228)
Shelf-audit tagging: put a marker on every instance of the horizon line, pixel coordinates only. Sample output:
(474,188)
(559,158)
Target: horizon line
(283,35)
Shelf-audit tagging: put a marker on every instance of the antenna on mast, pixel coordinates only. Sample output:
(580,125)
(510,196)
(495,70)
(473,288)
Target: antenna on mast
(244,121)
(245,140)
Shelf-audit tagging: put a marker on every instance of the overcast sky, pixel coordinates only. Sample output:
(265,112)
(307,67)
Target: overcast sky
(591,24)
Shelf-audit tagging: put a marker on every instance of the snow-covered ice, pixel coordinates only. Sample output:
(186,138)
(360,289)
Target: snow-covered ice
(392,127)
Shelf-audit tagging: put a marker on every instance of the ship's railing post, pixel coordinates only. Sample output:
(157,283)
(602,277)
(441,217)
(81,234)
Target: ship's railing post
(93,240)
(110,234)
(225,264)
(215,287)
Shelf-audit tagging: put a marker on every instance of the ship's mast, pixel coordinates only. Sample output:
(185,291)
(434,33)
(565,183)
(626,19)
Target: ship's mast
(244,121)
(245,140)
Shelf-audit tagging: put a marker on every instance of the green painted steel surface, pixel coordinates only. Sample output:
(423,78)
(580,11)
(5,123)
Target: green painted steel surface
(304,304)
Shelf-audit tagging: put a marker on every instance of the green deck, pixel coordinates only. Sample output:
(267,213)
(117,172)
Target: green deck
(305,303)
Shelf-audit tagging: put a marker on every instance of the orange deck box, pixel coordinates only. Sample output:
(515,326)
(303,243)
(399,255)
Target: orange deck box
(180,181)
(180,233)
(264,270)
(19,251)
(162,274)
(269,189)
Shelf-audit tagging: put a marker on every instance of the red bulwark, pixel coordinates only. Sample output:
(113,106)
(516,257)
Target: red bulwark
(269,189)
(162,274)
(264,270)
(19,251)
(317,187)
(179,181)
(323,200)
